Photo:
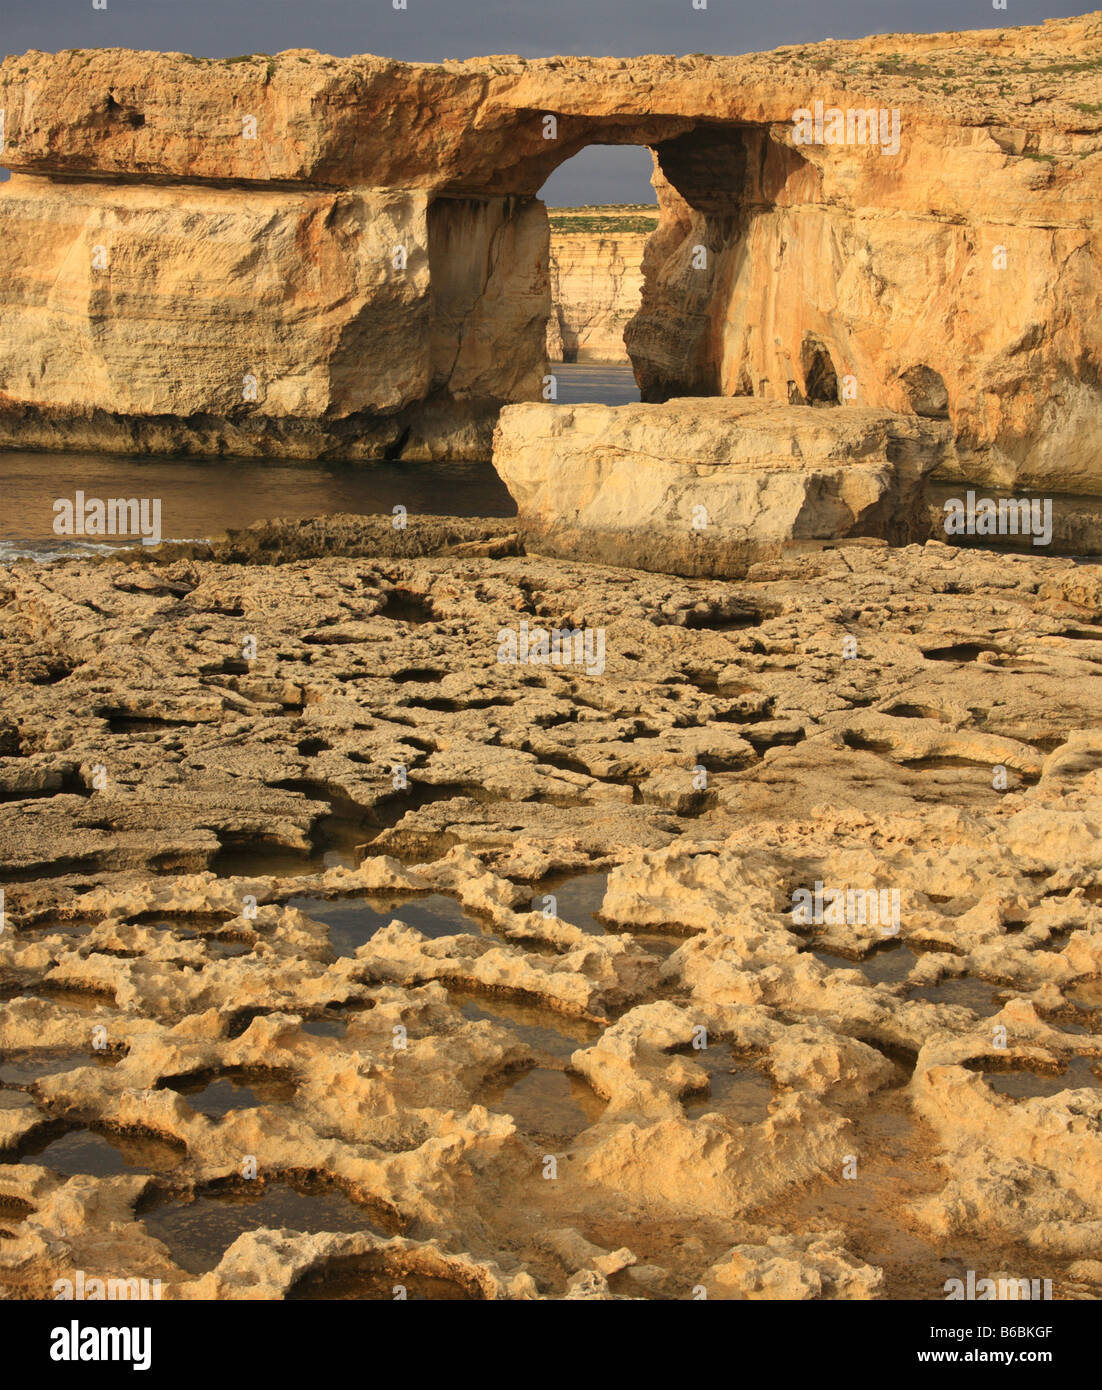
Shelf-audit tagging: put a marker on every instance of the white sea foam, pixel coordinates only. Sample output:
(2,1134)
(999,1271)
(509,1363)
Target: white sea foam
(47,552)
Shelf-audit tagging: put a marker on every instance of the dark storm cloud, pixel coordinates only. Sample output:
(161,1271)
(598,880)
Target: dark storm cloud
(430,30)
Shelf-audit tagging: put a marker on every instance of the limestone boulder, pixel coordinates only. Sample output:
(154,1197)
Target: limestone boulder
(709,486)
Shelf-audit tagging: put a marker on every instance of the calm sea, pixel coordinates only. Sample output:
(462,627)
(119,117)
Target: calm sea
(202,497)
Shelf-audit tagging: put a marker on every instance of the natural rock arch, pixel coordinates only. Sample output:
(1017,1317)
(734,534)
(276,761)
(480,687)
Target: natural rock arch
(887,260)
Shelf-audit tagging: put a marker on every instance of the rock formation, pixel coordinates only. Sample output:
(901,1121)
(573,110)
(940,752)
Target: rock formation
(709,486)
(301,254)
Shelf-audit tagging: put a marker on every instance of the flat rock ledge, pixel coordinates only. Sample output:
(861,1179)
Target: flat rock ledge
(711,486)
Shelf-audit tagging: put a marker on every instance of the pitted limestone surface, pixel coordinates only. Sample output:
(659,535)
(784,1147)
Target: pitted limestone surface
(589,1051)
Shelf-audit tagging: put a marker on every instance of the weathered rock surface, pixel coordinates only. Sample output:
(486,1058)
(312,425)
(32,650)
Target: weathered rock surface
(272,324)
(704,1069)
(710,486)
(954,278)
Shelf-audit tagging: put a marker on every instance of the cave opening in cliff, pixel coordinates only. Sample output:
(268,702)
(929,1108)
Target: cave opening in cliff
(819,374)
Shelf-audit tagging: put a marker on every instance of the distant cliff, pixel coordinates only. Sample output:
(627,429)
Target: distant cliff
(596,280)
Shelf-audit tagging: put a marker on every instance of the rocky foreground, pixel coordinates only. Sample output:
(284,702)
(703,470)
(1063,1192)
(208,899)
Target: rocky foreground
(691,1093)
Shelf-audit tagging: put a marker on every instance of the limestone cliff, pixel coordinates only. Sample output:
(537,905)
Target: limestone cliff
(195,319)
(301,254)
(596,280)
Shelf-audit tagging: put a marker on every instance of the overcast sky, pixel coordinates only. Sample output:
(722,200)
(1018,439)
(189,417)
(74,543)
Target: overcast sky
(430,30)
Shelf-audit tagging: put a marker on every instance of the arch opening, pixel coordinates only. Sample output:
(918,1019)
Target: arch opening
(601,209)
(651,286)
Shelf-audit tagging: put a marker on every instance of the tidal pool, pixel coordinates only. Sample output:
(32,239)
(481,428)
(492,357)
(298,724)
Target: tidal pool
(102,1153)
(236,1088)
(551,1106)
(198,1231)
(352,921)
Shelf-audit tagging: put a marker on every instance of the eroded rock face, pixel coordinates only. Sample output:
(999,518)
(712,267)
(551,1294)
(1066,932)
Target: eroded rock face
(813,296)
(276,323)
(710,486)
(734,1098)
(955,278)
